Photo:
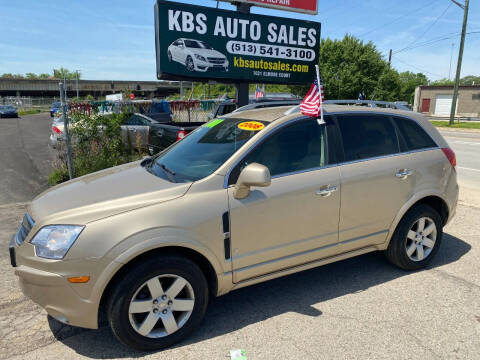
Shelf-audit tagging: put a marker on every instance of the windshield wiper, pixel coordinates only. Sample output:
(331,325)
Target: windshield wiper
(168,172)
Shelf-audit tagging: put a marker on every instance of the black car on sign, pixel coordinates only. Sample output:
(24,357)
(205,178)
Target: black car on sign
(7,111)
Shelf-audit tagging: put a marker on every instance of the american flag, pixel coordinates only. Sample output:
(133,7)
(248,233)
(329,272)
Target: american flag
(258,93)
(312,102)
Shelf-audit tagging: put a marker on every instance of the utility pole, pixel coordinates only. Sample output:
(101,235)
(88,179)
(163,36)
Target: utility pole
(65,124)
(451,57)
(242,87)
(77,72)
(460,56)
(389,57)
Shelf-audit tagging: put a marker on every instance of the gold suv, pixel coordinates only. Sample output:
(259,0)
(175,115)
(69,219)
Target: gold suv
(243,199)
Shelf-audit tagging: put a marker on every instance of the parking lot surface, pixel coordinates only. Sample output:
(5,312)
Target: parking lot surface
(360,308)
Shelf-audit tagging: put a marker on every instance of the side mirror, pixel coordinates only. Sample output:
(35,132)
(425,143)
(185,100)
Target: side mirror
(253,175)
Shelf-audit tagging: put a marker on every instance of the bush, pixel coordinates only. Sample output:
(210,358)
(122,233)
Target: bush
(97,144)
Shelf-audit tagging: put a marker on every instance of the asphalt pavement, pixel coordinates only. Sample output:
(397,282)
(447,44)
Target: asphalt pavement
(360,308)
(467,149)
(25,158)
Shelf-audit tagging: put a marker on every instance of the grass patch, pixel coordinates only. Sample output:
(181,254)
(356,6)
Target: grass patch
(457,125)
(29,112)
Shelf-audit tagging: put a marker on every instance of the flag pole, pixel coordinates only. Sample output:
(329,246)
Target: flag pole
(320,121)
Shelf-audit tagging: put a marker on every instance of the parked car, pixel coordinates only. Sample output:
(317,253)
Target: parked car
(8,111)
(55,108)
(250,197)
(197,55)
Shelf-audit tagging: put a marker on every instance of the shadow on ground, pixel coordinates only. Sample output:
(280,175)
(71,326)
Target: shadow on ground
(294,293)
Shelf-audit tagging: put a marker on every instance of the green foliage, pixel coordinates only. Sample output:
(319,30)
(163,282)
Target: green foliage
(409,81)
(29,112)
(63,73)
(442,82)
(470,80)
(96,145)
(388,86)
(458,125)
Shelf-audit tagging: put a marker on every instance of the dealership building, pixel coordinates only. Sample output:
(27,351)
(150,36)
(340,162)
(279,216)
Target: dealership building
(437,100)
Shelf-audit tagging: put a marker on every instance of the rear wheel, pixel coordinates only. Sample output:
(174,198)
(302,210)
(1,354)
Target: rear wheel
(169,56)
(158,303)
(416,239)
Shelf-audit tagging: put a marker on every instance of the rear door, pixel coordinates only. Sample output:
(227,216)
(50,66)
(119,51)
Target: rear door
(295,219)
(376,179)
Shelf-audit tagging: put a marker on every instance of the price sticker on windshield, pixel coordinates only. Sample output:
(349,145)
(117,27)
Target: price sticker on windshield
(251,126)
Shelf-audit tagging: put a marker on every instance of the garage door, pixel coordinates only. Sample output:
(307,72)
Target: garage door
(443,105)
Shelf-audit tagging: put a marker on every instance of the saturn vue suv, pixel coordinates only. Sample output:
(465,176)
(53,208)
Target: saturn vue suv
(197,55)
(245,198)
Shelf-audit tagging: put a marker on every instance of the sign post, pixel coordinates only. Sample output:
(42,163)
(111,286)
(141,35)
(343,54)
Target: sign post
(242,88)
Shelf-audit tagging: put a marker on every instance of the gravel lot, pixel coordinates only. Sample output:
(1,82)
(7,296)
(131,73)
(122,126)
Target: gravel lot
(360,308)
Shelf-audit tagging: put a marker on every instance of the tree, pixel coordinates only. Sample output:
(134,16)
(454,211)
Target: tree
(348,67)
(7,76)
(442,82)
(63,73)
(388,86)
(30,75)
(44,76)
(470,80)
(409,82)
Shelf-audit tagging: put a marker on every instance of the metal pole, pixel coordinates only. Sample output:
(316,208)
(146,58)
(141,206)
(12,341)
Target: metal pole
(242,88)
(459,64)
(78,96)
(67,135)
(451,57)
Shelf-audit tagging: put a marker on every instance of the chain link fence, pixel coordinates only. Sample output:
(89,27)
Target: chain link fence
(23,102)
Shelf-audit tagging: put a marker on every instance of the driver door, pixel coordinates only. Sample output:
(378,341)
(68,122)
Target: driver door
(294,220)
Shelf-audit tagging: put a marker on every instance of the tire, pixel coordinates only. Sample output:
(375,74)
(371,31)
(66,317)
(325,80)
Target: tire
(403,242)
(169,56)
(190,64)
(168,269)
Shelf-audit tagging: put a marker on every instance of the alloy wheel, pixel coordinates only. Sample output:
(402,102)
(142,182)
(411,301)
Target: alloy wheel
(190,64)
(421,239)
(155,312)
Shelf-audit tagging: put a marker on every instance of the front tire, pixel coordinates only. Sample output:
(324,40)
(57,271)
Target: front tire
(190,64)
(416,239)
(158,303)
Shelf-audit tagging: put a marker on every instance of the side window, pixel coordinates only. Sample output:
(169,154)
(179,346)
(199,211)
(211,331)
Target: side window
(298,147)
(135,120)
(229,108)
(367,136)
(414,136)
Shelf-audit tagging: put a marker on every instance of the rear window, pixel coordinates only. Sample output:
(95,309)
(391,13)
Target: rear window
(367,136)
(413,135)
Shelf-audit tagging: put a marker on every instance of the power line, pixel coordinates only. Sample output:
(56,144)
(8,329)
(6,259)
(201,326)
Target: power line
(428,29)
(416,67)
(433,41)
(398,18)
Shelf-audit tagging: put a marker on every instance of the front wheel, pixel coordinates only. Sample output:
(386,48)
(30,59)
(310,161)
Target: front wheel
(190,64)
(158,303)
(416,239)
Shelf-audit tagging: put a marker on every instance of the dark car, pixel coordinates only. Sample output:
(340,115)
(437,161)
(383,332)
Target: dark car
(8,111)
(55,107)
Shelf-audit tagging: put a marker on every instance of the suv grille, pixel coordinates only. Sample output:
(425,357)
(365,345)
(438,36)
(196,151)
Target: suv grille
(214,60)
(25,228)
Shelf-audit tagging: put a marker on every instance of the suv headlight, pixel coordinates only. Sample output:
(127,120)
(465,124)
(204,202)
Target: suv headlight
(54,241)
(200,57)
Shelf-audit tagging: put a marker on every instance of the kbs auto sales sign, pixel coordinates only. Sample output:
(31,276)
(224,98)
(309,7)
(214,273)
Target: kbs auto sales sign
(202,43)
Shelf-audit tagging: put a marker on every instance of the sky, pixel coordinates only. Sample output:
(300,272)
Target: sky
(115,40)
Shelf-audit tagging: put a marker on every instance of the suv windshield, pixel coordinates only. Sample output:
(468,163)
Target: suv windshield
(203,151)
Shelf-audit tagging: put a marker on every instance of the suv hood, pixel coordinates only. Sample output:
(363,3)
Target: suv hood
(102,194)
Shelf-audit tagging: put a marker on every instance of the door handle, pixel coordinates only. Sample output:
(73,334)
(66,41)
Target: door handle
(403,173)
(326,190)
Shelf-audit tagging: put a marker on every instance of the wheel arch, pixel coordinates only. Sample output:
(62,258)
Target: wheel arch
(201,260)
(436,201)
